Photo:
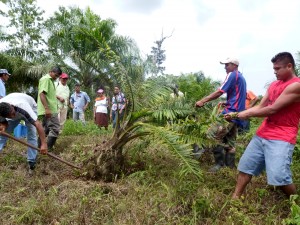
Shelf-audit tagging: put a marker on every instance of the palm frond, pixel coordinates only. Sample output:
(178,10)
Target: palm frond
(179,149)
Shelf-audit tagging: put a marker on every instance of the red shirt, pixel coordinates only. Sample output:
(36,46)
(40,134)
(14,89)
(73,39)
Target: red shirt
(283,125)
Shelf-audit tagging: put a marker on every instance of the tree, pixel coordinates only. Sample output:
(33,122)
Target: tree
(196,85)
(157,57)
(153,108)
(25,24)
(78,39)
(147,115)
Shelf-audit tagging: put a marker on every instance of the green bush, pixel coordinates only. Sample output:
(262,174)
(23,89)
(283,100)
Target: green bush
(78,128)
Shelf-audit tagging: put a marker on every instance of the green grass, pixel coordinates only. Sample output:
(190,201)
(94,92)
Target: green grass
(150,191)
(78,128)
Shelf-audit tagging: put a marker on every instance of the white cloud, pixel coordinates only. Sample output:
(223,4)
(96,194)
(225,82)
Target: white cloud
(138,6)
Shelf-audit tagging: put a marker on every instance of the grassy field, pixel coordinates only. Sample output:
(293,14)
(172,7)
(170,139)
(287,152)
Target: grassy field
(150,191)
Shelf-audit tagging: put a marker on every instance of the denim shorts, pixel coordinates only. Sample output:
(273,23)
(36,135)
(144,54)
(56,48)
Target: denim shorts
(271,155)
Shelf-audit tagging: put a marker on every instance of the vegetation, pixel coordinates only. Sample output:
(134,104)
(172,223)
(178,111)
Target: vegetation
(150,191)
(143,171)
(26,19)
(157,57)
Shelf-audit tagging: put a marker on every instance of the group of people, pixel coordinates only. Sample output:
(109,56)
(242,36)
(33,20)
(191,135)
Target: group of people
(270,149)
(47,115)
(118,105)
(272,146)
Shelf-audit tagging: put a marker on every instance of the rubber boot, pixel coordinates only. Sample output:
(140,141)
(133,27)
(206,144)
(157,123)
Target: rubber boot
(219,159)
(51,142)
(230,159)
(31,165)
(197,152)
(31,168)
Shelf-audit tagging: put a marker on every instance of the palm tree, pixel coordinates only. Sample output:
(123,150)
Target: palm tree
(25,74)
(74,38)
(151,110)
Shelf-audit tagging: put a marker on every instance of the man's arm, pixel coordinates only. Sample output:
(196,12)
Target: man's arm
(209,98)
(45,104)
(290,95)
(87,98)
(71,102)
(86,105)
(61,99)
(40,131)
(125,103)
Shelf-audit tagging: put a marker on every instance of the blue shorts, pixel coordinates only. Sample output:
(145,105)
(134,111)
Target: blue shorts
(271,155)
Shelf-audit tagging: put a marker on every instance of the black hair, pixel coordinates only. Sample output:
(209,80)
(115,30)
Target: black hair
(56,69)
(284,57)
(175,89)
(5,109)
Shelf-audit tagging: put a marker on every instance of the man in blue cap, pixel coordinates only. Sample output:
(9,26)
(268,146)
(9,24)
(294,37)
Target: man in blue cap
(4,75)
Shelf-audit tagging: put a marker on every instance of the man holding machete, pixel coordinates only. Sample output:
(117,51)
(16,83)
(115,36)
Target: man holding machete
(235,88)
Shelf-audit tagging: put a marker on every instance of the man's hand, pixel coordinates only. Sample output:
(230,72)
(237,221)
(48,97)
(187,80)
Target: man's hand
(62,100)
(3,126)
(222,104)
(199,104)
(243,115)
(232,116)
(44,149)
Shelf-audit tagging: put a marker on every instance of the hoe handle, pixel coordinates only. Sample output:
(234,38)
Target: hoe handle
(3,133)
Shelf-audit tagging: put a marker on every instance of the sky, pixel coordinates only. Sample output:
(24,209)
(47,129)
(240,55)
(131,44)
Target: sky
(204,32)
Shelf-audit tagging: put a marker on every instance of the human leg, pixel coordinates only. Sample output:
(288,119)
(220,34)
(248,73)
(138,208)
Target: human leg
(75,115)
(289,189)
(53,126)
(278,162)
(251,163)
(242,182)
(62,116)
(218,152)
(31,139)
(82,117)
(114,118)
(230,141)
(230,159)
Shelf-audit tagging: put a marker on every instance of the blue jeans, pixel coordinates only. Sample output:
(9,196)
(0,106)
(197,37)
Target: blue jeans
(78,116)
(114,116)
(271,155)
(31,138)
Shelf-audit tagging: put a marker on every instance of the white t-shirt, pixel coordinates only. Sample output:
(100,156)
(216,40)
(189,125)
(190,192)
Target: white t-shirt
(180,94)
(22,101)
(101,105)
(64,92)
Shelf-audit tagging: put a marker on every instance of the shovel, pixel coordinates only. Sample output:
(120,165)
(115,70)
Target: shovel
(3,133)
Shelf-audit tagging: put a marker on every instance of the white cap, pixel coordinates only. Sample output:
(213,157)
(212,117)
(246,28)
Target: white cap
(230,60)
